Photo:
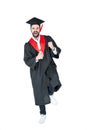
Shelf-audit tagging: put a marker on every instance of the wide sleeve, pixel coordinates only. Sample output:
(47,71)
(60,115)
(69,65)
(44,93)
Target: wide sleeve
(55,45)
(29,59)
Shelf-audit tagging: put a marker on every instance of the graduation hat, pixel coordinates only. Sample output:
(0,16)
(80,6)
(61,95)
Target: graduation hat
(35,20)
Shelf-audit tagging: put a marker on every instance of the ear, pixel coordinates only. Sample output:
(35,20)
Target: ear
(30,28)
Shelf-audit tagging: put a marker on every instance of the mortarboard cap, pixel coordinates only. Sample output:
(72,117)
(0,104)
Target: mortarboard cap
(35,21)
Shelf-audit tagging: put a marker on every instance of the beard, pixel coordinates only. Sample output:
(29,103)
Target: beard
(35,34)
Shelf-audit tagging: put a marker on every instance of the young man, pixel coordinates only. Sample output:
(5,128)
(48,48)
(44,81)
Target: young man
(39,52)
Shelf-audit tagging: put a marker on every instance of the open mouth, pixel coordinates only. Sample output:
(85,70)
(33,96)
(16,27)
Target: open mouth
(35,32)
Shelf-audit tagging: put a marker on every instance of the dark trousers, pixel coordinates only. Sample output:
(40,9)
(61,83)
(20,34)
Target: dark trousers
(43,107)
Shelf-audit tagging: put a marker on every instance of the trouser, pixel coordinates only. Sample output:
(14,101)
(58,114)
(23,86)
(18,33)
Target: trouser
(43,107)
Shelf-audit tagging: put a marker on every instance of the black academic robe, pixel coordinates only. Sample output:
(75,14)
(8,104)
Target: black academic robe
(43,72)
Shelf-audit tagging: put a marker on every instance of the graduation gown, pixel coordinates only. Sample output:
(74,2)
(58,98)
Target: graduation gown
(43,72)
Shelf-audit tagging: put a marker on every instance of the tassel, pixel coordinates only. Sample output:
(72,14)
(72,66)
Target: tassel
(41,27)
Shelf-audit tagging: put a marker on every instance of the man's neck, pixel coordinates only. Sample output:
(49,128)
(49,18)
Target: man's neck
(37,38)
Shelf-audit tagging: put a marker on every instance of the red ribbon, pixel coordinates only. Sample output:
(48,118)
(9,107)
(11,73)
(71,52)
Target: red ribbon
(42,44)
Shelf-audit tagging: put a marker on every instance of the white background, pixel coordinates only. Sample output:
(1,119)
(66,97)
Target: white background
(66,22)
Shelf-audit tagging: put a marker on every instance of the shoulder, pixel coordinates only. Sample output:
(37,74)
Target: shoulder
(27,45)
(48,37)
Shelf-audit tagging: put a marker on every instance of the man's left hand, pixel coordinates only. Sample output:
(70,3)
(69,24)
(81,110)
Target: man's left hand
(50,44)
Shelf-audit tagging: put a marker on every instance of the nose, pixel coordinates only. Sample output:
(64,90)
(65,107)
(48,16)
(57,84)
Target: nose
(35,30)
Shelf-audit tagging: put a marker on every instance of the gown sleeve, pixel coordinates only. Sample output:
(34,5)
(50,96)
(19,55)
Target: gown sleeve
(28,58)
(57,48)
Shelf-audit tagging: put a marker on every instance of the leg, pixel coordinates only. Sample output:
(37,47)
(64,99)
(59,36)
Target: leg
(43,114)
(42,109)
(51,92)
(50,89)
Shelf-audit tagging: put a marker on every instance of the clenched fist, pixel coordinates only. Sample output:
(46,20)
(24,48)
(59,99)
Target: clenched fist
(50,44)
(39,56)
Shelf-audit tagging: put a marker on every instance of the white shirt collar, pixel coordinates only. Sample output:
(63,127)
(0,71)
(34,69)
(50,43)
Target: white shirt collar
(36,39)
(38,42)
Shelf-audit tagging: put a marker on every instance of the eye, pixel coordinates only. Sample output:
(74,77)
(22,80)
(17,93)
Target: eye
(33,28)
(37,28)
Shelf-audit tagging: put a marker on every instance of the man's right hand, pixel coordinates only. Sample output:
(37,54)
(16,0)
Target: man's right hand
(39,56)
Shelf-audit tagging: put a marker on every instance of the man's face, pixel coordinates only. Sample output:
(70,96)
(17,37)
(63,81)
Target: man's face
(35,30)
